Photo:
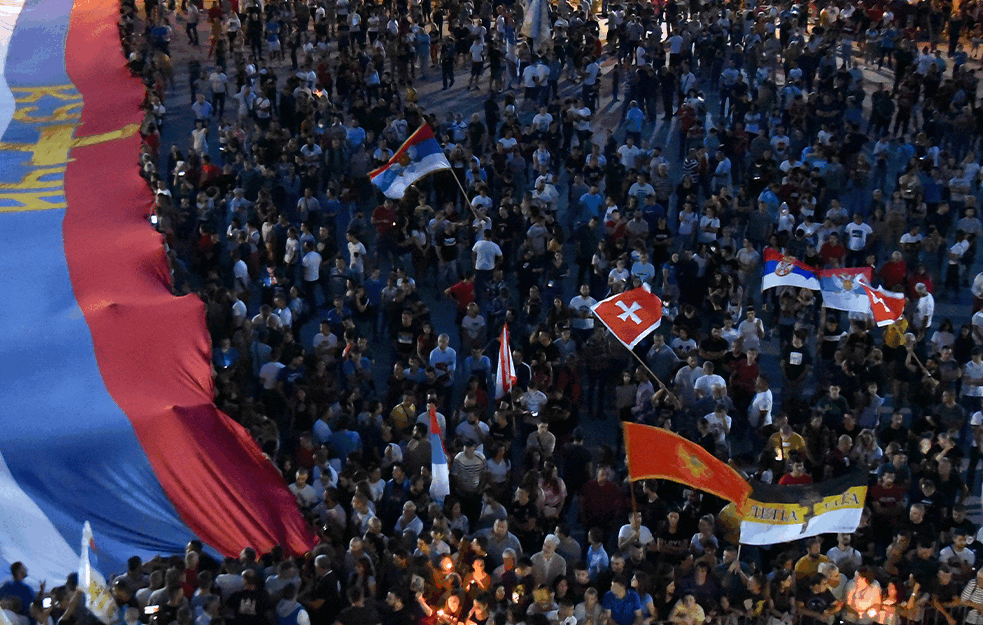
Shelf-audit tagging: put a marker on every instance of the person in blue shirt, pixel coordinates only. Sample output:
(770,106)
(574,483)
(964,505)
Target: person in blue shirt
(634,119)
(18,588)
(621,604)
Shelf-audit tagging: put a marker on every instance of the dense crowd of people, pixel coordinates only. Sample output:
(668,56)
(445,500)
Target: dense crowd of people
(842,134)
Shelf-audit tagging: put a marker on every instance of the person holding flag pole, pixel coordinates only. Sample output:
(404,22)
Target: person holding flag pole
(631,316)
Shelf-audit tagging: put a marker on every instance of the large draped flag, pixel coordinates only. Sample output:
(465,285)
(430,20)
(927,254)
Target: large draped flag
(777,514)
(655,453)
(631,315)
(108,412)
(782,270)
(418,156)
(842,288)
(440,477)
(886,306)
(505,371)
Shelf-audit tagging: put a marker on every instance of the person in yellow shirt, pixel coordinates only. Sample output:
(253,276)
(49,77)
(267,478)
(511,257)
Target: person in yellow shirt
(808,565)
(784,442)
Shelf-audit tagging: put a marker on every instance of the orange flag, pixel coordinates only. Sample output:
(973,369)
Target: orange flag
(656,453)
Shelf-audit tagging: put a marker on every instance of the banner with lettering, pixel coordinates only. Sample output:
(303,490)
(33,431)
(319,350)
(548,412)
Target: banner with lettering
(108,410)
(777,514)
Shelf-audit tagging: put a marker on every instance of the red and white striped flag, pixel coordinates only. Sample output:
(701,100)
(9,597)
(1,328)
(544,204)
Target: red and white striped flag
(885,306)
(505,373)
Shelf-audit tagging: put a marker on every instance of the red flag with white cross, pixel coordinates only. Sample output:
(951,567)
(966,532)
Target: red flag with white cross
(885,306)
(631,315)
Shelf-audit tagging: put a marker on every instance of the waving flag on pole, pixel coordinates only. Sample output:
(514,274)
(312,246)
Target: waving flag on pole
(505,373)
(98,598)
(842,288)
(655,453)
(440,476)
(631,316)
(886,306)
(781,270)
(418,156)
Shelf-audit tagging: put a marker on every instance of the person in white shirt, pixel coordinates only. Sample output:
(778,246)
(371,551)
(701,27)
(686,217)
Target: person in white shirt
(303,491)
(719,422)
(925,309)
(629,153)
(356,253)
(857,233)
(759,413)
(845,557)
(705,383)
(485,255)
(311,267)
(633,532)
(583,318)
(752,330)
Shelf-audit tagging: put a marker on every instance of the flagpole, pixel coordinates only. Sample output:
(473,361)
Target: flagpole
(641,362)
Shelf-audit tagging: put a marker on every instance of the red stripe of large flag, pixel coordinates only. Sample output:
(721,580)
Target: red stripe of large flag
(782,270)
(440,478)
(505,371)
(655,453)
(887,307)
(631,316)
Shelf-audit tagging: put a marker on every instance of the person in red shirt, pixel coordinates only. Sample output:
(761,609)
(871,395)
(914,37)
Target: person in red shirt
(832,252)
(384,220)
(463,293)
(886,500)
(894,271)
(796,474)
(921,275)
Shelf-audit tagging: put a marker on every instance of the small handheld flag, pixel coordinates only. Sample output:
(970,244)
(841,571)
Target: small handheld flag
(418,156)
(782,270)
(440,477)
(505,372)
(631,316)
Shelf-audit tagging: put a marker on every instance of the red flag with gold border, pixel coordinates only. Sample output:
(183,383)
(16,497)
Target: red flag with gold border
(655,453)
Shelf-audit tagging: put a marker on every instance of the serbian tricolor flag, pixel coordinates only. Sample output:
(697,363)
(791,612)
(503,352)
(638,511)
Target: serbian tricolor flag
(843,289)
(655,453)
(108,412)
(775,513)
(886,306)
(782,270)
(631,316)
(440,476)
(505,372)
(418,156)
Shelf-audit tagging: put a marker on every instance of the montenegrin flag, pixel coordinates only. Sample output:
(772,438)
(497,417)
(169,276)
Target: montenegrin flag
(778,514)
(418,156)
(440,477)
(631,316)
(782,270)
(100,424)
(655,453)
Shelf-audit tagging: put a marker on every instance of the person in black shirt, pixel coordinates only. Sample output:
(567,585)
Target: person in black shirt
(325,598)
(251,605)
(819,603)
(357,613)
